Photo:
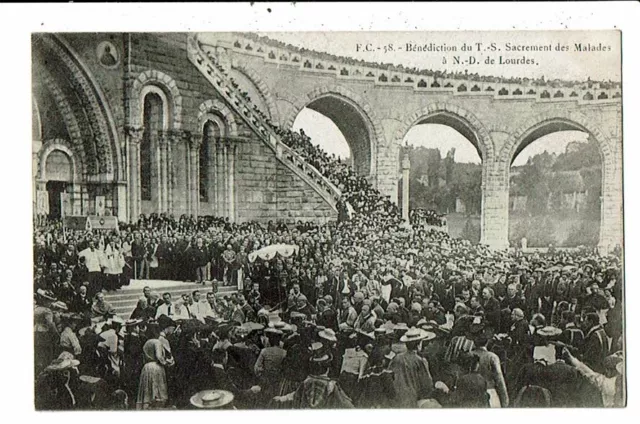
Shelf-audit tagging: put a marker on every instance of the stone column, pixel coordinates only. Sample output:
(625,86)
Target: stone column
(180,150)
(495,205)
(611,217)
(231,179)
(406,166)
(212,175)
(196,142)
(163,181)
(219,185)
(225,180)
(133,137)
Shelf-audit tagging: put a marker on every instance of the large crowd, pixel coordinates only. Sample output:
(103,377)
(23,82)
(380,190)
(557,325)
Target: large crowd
(368,312)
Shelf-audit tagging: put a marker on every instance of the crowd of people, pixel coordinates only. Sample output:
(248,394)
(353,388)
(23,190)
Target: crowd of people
(369,312)
(427,217)
(390,67)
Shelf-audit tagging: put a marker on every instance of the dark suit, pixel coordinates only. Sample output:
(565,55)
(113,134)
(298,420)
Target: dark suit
(596,348)
(80,305)
(492,312)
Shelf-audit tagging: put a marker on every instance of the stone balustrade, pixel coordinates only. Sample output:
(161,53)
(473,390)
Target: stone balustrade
(586,92)
(206,62)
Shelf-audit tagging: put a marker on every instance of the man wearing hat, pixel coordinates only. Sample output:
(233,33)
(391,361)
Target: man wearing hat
(412,376)
(491,369)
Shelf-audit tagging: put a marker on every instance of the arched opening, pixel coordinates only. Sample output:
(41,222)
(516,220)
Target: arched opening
(153,122)
(445,174)
(211,132)
(555,188)
(59,175)
(338,126)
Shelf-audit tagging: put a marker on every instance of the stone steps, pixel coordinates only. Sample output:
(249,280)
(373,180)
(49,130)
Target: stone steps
(125,299)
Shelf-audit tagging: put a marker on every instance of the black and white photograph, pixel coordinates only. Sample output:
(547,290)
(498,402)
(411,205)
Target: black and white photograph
(283,220)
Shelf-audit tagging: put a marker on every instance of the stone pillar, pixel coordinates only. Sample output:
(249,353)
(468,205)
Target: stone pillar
(212,176)
(133,137)
(406,166)
(219,186)
(224,180)
(163,180)
(180,151)
(194,174)
(231,179)
(495,205)
(173,140)
(611,217)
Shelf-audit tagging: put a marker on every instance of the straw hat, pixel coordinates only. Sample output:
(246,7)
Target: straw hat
(211,399)
(416,334)
(132,322)
(328,334)
(61,364)
(549,331)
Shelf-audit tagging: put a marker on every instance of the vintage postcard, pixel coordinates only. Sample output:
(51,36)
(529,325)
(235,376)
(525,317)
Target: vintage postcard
(296,220)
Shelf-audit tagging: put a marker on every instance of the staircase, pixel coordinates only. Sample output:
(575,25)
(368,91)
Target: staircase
(215,74)
(125,299)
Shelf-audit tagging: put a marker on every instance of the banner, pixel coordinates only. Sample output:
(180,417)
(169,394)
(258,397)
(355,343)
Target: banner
(103,223)
(42,202)
(100,203)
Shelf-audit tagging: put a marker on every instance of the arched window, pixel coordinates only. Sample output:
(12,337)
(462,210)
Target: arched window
(153,121)
(210,133)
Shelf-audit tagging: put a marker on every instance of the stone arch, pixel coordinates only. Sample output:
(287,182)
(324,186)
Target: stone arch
(165,83)
(564,121)
(88,159)
(50,146)
(456,117)
(94,103)
(359,106)
(261,86)
(218,108)
(547,123)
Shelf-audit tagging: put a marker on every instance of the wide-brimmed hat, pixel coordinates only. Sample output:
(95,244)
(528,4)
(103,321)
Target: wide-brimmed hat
(61,364)
(46,295)
(328,334)
(133,322)
(549,331)
(297,315)
(416,334)
(271,330)
(211,399)
(401,326)
(59,305)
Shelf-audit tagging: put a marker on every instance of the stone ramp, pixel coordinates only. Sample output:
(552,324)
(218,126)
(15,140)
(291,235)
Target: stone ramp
(125,299)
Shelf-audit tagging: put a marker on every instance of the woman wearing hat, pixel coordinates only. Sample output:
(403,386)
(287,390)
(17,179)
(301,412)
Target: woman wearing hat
(56,387)
(153,392)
